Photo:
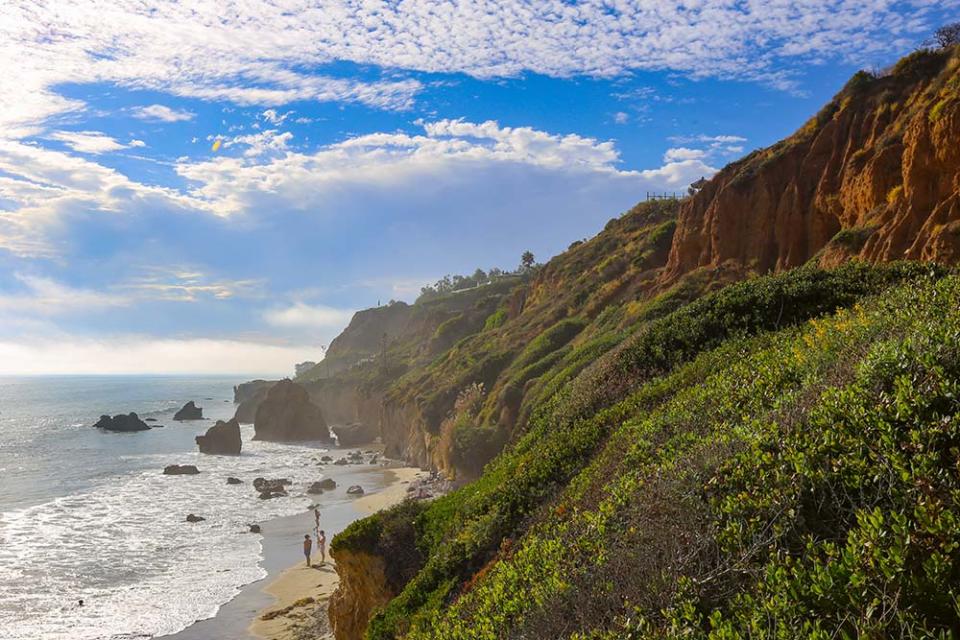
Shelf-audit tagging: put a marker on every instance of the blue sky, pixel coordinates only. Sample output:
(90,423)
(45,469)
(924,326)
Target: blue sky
(366,149)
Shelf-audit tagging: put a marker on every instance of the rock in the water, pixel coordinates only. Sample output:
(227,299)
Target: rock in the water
(149,419)
(189,411)
(254,528)
(271,488)
(222,438)
(327,484)
(248,397)
(287,414)
(193,518)
(355,490)
(232,480)
(314,489)
(326,459)
(120,422)
(341,462)
(180,470)
(354,434)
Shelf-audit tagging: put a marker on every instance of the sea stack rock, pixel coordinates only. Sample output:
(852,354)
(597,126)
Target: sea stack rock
(355,434)
(221,439)
(120,422)
(248,397)
(190,411)
(287,414)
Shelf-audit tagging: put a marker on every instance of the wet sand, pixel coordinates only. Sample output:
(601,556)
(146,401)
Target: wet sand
(281,542)
(318,582)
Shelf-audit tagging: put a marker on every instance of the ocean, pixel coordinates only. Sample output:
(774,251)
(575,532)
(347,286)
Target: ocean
(87,514)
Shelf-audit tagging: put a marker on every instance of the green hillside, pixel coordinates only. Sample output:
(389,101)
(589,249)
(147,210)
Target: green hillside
(718,473)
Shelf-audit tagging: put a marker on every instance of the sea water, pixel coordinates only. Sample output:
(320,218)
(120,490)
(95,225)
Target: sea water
(87,514)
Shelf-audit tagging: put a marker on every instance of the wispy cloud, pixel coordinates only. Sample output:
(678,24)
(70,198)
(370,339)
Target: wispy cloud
(255,55)
(305,316)
(93,142)
(41,296)
(184,284)
(161,113)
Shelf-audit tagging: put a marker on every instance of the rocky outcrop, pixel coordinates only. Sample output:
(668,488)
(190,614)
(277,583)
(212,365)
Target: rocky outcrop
(363,588)
(354,434)
(189,411)
(193,518)
(222,439)
(123,423)
(232,480)
(355,490)
(180,470)
(875,175)
(248,397)
(287,414)
(273,488)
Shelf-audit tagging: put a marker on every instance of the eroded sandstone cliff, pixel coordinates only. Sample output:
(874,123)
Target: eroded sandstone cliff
(874,175)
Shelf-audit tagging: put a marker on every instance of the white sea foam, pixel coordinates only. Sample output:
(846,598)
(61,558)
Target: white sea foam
(125,548)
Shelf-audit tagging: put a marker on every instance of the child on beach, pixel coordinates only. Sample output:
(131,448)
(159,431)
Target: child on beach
(307,545)
(322,546)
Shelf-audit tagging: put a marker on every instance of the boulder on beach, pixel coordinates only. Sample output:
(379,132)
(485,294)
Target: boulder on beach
(354,434)
(254,528)
(355,490)
(193,518)
(287,414)
(222,439)
(232,480)
(180,470)
(189,411)
(123,423)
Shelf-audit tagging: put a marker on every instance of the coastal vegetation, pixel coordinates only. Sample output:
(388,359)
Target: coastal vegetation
(708,420)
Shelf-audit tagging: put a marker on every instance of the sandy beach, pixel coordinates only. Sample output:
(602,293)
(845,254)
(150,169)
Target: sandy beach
(300,590)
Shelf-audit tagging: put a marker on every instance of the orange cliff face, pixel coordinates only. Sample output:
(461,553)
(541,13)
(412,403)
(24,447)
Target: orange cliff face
(875,175)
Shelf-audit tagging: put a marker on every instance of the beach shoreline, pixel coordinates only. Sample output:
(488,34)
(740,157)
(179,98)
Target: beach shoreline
(299,591)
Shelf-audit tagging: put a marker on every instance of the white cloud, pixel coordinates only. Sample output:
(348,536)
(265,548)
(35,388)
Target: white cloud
(683,153)
(304,316)
(273,117)
(447,151)
(136,143)
(251,55)
(621,117)
(183,284)
(69,354)
(41,186)
(89,141)
(260,143)
(45,297)
(161,113)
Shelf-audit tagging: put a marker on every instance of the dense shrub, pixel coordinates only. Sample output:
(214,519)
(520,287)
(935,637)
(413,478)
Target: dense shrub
(466,528)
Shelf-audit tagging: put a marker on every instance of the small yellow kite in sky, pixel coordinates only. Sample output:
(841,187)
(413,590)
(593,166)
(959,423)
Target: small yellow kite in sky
(216,144)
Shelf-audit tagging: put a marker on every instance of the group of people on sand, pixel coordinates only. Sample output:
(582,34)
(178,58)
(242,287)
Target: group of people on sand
(321,540)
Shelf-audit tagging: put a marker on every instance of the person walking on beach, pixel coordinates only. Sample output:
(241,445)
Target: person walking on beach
(307,546)
(322,546)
